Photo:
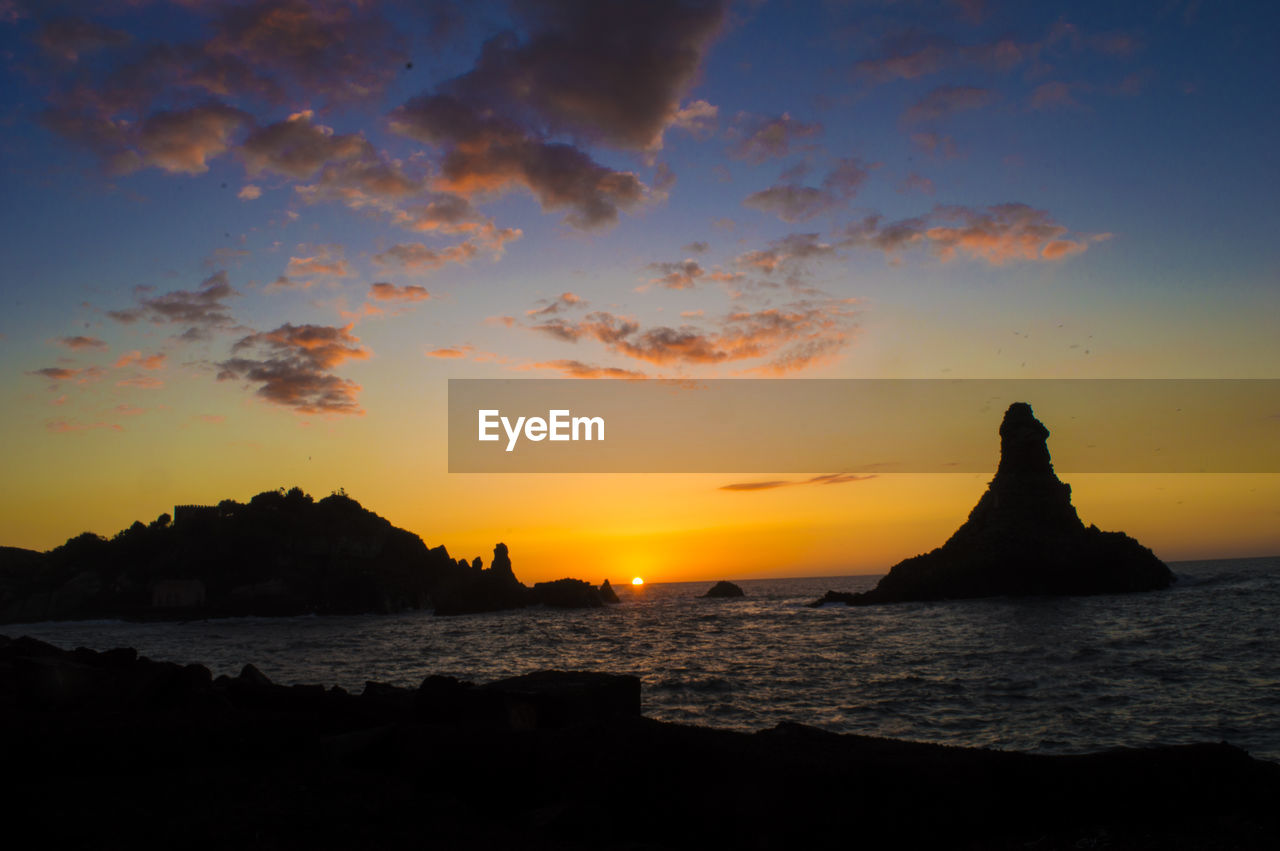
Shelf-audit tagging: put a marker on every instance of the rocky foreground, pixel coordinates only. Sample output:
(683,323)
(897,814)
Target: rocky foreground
(1022,538)
(110,750)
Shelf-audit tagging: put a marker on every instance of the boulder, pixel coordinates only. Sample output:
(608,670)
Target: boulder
(1022,538)
(724,588)
(608,594)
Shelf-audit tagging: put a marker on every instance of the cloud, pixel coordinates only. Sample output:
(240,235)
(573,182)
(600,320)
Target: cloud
(136,358)
(791,338)
(578,369)
(996,234)
(792,202)
(416,257)
(486,154)
(608,73)
(760,138)
(564,301)
(294,366)
(790,250)
(698,117)
(297,147)
(696,248)
(70,38)
(79,342)
(383,291)
(828,479)
(327,261)
(82,375)
(945,101)
(603,72)
(450,352)
(343,51)
(677,276)
(201,309)
(249,192)
(345,167)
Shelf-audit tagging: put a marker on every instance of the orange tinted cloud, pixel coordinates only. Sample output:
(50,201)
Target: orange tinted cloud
(136,358)
(793,337)
(450,353)
(416,257)
(383,291)
(578,369)
(997,234)
(293,367)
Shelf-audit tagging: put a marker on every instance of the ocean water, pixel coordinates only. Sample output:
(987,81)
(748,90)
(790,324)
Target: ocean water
(1199,662)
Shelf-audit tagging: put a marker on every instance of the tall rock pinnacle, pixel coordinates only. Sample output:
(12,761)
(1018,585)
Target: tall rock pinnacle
(1023,537)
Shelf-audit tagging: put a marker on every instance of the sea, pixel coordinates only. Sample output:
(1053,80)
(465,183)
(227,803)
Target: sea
(1198,662)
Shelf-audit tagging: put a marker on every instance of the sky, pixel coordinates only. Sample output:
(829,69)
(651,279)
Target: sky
(245,244)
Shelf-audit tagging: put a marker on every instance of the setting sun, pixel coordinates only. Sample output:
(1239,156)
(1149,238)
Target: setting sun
(637,581)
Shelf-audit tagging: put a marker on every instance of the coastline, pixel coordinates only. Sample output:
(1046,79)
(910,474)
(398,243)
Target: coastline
(149,753)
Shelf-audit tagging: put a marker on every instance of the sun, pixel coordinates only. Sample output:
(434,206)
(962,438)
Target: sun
(637,581)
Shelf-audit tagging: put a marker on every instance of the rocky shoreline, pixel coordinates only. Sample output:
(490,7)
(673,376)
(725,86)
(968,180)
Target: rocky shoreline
(117,751)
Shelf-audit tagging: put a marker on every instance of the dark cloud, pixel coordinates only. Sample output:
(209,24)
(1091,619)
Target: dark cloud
(604,71)
(79,342)
(294,366)
(201,309)
(485,154)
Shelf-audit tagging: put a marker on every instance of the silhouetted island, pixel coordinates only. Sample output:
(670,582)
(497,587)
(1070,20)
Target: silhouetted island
(724,588)
(149,754)
(281,553)
(1022,538)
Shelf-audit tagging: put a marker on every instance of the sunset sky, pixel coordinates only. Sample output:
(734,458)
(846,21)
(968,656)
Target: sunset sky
(245,244)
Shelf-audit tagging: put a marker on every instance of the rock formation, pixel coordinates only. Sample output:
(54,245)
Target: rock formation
(608,594)
(724,588)
(1022,538)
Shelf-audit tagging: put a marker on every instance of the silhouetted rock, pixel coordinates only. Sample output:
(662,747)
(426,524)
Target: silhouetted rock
(607,593)
(567,594)
(282,553)
(477,589)
(154,755)
(724,588)
(1022,538)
